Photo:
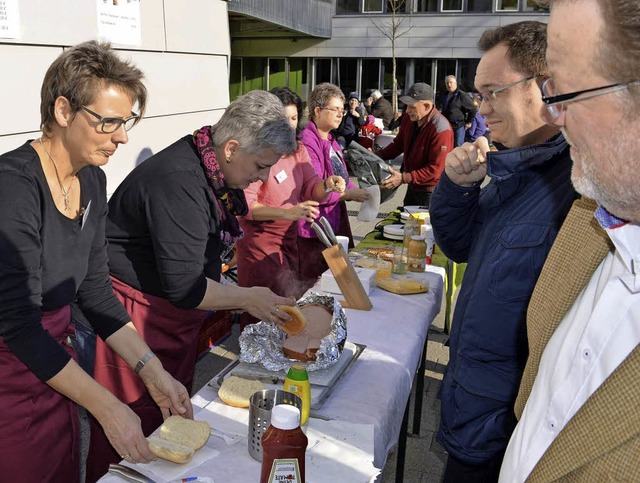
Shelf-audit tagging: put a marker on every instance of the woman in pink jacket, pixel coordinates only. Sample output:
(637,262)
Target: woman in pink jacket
(326,108)
(268,253)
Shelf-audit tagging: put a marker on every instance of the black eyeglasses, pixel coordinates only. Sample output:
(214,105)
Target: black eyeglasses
(490,95)
(555,102)
(109,125)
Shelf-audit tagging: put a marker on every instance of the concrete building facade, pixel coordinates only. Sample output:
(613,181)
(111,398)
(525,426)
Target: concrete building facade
(184,53)
(436,38)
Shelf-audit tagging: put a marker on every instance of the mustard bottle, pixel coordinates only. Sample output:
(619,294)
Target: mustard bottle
(297,382)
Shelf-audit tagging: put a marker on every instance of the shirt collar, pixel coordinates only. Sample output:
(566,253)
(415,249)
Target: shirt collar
(625,237)
(607,220)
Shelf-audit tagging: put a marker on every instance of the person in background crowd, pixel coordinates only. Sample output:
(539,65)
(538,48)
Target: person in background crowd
(368,132)
(171,223)
(354,118)
(458,108)
(53,252)
(268,253)
(425,138)
(504,232)
(578,401)
(379,107)
(478,127)
(326,108)
(397,121)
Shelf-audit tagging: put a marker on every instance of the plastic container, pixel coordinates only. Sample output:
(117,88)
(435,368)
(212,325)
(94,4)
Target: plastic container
(411,227)
(260,406)
(399,260)
(426,230)
(417,254)
(283,446)
(297,382)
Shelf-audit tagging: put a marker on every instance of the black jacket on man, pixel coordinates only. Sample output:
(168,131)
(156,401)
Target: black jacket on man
(382,109)
(458,108)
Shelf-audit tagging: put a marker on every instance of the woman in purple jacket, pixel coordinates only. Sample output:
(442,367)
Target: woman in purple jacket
(326,108)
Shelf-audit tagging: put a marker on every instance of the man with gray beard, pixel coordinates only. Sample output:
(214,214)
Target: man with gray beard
(578,400)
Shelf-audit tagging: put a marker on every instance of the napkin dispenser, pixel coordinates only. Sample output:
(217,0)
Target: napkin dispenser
(366,276)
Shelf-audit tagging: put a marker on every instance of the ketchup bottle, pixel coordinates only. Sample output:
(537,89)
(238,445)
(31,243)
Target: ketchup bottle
(283,447)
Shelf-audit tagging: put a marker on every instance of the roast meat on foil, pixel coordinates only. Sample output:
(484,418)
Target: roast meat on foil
(262,342)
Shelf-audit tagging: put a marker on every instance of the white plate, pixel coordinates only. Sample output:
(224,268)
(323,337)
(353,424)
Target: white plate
(424,215)
(393,230)
(393,237)
(415,208)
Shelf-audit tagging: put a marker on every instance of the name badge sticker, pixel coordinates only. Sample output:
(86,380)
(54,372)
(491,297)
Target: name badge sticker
(281,176)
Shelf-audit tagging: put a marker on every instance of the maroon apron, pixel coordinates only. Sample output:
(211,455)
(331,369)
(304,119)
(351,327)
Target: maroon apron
(268,257)
(39,428)
(172,334)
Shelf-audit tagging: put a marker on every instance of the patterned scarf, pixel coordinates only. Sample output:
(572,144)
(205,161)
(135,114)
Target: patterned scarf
(230,202)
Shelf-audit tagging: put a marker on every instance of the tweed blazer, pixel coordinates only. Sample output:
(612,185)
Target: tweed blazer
(602,440)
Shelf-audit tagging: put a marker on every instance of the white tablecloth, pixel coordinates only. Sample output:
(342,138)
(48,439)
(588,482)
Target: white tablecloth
(366,407)
(376,389)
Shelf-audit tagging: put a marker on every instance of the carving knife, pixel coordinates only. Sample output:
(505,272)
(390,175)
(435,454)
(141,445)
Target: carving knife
(329,231)
(321,235)
(129,474)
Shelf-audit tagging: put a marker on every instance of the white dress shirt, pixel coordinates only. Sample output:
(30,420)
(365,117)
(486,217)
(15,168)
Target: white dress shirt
(595,336)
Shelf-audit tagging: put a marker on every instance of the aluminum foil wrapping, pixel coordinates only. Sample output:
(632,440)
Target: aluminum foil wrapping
(262,342)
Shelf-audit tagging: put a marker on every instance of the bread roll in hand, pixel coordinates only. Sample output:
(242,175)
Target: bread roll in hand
(298,321)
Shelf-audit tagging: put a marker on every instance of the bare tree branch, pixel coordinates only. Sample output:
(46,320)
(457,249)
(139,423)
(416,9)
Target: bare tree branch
(391,30)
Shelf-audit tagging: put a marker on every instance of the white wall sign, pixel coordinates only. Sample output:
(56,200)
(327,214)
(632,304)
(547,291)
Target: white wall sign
(119,21)
(9,19)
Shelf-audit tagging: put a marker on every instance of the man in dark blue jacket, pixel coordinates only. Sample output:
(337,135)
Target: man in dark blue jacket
(504,232)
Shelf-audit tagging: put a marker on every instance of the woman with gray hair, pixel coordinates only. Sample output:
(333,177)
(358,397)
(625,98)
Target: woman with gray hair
(171,224)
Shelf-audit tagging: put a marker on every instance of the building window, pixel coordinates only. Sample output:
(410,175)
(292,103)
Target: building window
(532,6)
(427,5)
(298,76)
(507,5)
(479,5)
(348,75)
(235,78)
(452,5)
(347,6)
(467,74)
(423,71)
(401,76)
(254,70)
(373,6)
(277,73)
(323,71)
(370,76)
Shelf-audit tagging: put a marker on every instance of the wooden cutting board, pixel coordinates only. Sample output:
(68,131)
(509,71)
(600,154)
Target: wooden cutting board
(347,279)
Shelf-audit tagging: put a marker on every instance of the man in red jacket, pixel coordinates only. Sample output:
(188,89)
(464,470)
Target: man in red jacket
(425,138)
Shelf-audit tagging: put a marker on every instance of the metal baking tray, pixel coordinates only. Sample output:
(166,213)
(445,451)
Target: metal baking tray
(274,380)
